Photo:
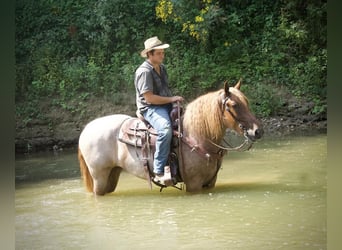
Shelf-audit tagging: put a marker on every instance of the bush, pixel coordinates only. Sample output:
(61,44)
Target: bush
(72,49)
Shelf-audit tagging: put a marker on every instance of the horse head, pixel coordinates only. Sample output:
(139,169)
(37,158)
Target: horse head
(236,113)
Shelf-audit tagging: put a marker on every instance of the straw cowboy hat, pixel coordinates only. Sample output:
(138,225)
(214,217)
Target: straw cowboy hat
(151,44)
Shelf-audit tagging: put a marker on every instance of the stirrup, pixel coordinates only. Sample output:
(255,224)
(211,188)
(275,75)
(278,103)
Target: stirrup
(164,181)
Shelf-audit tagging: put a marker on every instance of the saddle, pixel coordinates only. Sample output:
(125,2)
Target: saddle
(137,132)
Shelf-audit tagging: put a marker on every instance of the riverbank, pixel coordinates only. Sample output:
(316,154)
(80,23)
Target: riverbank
(59,128)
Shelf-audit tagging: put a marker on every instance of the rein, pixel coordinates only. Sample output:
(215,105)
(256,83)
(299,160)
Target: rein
(247,142)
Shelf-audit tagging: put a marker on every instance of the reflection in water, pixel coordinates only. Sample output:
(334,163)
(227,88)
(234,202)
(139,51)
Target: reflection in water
(271,197)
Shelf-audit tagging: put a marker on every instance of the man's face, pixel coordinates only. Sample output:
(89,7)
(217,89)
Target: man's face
(157,57)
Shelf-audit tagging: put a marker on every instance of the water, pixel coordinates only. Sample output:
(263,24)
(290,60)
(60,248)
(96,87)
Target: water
(271,197)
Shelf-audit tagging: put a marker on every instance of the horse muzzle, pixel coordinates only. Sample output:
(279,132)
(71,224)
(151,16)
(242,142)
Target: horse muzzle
(255,133)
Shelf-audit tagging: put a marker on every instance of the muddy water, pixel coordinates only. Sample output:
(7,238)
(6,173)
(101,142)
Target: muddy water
(271,197)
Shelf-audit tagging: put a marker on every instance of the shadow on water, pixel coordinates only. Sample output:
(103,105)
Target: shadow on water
(221,188)
(260,186)
(45,166)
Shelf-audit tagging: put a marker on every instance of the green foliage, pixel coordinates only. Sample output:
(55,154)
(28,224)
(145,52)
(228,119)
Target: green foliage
(263,98)
(197,18)
(70,50)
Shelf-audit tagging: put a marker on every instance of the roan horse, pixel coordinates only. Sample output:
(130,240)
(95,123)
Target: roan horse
(102,155)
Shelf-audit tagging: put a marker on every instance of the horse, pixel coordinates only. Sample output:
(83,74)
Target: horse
(202,127)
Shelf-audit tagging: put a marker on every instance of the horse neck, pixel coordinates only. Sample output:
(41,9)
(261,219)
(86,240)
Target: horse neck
(205,123)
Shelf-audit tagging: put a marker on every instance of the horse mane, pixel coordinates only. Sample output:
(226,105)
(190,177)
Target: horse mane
(203,117)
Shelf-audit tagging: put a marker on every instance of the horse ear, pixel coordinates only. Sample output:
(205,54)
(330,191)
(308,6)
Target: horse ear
(226,88)
(238,84)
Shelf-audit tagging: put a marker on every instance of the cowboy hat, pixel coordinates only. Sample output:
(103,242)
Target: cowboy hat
(151,44)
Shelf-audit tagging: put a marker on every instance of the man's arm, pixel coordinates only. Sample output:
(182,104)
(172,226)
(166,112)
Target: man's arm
(159,100)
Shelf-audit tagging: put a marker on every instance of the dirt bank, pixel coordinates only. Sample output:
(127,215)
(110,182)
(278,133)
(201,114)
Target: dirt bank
(59,128)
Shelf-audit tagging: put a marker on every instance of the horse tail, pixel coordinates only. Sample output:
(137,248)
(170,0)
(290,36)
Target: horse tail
(87,179)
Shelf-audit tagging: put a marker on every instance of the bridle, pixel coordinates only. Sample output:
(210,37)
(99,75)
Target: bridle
(247,142)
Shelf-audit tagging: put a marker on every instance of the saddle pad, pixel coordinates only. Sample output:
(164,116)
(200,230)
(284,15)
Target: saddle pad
(135,132)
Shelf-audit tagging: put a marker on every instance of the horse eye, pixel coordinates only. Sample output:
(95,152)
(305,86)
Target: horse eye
(233,104)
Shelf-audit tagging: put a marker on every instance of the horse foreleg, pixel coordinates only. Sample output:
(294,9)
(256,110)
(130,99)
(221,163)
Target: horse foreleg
(197,184)
(210,184)
(193,186)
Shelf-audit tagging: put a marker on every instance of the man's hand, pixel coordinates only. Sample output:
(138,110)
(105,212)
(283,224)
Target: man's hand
(177,98)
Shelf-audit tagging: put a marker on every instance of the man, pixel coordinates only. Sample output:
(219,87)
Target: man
(154,102)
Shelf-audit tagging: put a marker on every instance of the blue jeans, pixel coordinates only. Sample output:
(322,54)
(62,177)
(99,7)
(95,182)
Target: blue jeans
(159,118)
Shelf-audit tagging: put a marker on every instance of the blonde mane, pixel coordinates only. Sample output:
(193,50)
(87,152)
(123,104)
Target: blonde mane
(203,117)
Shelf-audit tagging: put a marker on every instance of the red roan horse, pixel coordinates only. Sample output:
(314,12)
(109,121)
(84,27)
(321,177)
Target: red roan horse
(110,144)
